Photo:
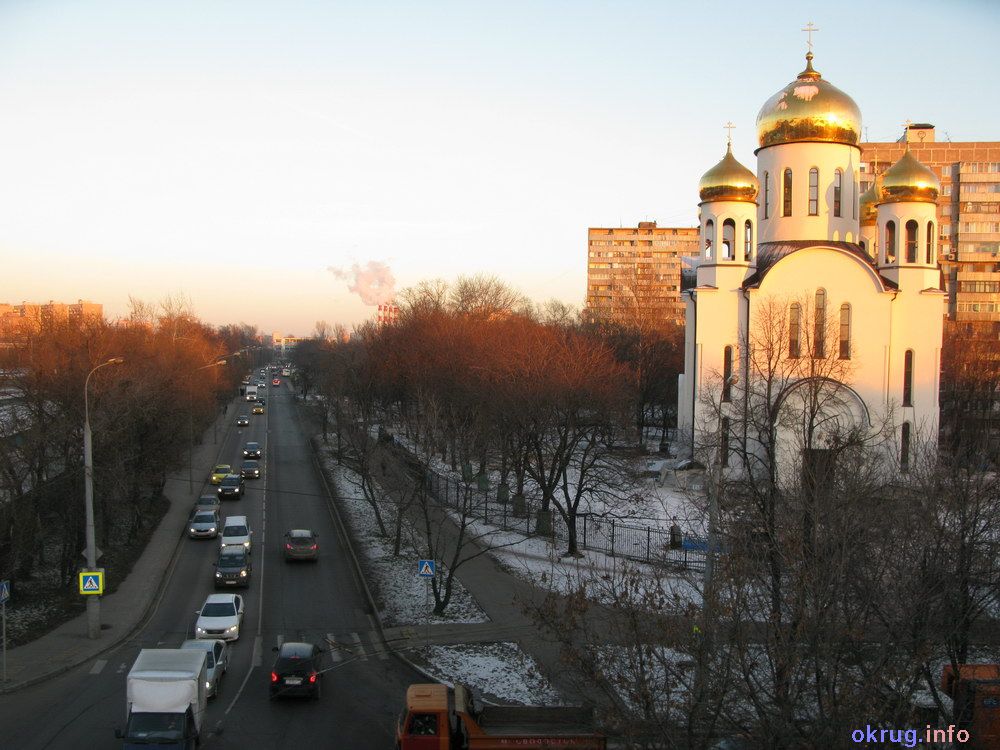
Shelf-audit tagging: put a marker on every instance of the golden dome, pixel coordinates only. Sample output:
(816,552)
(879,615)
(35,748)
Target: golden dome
(909,180)
(728,181)
(869,203)
(809,109)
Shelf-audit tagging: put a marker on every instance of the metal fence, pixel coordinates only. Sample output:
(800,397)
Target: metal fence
(494,505)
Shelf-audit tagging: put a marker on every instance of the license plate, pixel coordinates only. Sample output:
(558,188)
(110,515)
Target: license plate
(293,680)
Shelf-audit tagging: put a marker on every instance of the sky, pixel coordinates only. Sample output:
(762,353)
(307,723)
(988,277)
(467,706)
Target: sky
(248,155)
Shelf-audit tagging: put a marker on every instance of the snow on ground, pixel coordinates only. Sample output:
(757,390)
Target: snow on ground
(499,672)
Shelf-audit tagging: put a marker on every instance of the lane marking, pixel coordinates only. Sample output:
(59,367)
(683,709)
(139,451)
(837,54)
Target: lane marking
(358,647)
(99,666)
(121,667)
(258,651)
(281,639)
(334,652)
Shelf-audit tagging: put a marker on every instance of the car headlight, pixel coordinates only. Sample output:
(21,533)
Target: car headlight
(193,530)
(200,630)
(208,685)
(243,574)
(246,543)
(232,628)
(218,574)
(211,530)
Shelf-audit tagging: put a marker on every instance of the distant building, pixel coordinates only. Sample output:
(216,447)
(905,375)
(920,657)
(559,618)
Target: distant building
(386,315)
(968,215)
(20,319)
(283,345)
(634,273)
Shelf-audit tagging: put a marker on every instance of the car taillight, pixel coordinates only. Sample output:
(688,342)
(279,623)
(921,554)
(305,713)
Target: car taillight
(312,677)
(274,676)
(315,546)
(288,546)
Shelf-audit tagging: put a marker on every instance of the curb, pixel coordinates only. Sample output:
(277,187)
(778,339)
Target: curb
(147,613)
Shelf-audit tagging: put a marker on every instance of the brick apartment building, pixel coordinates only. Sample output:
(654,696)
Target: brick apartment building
(19,319)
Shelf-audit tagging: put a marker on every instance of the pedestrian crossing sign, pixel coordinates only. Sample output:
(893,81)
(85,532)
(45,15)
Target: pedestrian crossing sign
(92,582)
(425,568)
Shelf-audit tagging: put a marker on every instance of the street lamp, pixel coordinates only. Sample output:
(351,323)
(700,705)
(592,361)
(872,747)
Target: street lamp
(217,363)
(93,602)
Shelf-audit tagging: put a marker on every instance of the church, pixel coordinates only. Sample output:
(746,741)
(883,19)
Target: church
(817,314)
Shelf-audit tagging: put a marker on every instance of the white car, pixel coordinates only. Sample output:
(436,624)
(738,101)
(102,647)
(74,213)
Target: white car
(236,532)
(220,617)
(217,661)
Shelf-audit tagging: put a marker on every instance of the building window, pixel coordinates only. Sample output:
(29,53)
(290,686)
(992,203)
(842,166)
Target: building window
(890,241)
(724,442)
(946,170)
(838,190)
(845,331)
(819,325)
(904,448)
(947,189)
(748,241)
(786,194)
(911,241)
(709,232)
(931,260)
(727,374)
(794,322)
(908,378)
(767,195)
(945,230)
(813,192)
(728,239)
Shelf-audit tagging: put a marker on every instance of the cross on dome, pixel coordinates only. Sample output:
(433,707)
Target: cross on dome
(809,29)
(728,127)
(906,132)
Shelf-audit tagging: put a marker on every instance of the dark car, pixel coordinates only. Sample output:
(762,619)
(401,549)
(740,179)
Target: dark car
(250,470)
(242,420)
(233,567)
(301,544)
(260,400)
(232,486)
(298,670)
(251,450)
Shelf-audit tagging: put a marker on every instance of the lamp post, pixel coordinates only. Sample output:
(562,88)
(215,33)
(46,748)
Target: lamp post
(93,602)
(217,363)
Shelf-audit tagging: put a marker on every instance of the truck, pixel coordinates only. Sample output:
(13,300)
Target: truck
(439,718)
(286,372)
(165,697)
(975,692)
(251,393)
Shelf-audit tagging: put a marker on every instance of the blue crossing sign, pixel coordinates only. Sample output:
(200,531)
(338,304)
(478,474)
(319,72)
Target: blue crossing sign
(92,582)
(425,568)
(4,591)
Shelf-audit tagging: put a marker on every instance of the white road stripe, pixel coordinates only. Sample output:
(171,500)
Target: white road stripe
(258,651)
(358,647)
(281,639)
(121,667)
(335,655)
(99,666)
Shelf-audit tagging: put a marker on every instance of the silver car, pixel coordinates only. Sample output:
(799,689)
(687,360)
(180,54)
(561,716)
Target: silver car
(216,662)
(204,524)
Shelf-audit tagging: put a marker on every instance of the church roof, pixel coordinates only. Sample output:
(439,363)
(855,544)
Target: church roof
(769,253)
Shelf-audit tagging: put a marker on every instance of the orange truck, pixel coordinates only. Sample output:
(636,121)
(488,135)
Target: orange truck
(975,690)
(437,718)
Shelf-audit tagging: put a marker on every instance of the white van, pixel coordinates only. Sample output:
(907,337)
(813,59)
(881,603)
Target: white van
(236,532)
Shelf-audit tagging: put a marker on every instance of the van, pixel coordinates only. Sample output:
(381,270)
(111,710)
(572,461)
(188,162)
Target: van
(236,532)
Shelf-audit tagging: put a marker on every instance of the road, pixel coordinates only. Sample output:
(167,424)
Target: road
(363,687)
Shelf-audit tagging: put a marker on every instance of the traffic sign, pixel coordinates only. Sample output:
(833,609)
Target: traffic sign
(425,568)
(4,591)
(97,553)
(92,582)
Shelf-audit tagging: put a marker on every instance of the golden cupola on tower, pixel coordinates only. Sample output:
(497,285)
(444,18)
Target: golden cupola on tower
(729,181)
(809,109)
(868,203)
(909,180)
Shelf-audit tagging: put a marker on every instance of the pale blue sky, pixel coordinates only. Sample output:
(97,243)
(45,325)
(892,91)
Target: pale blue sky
(232,151)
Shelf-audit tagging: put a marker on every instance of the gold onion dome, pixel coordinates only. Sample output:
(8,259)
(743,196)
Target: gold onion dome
(809,109)
(869,203)
(909,180)
(729,181)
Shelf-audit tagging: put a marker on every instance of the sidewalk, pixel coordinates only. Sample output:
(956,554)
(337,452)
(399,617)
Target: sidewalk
(123,611)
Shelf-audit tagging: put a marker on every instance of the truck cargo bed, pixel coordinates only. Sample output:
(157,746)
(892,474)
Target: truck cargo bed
(543,720)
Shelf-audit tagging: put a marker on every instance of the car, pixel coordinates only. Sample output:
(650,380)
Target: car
(220,472)
(220,617)
(236,531)
(258,409)
(233,568)
(260,400)
(276,381)
(216,661)
(232,486)
(251,450)
(262,384)
(297,670)
(242,420)
(203,524)
(207,502)
(250,470)
(301,544)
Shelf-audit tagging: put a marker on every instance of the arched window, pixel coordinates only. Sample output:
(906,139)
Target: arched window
(709,233)
(728,239)
(863,247)
(890,241)
(904,448)
(931,257)
(748,241)
(845,331)
(794,323)
(727,374)
(838,191)
(813,192)
(786,194)
(911,241)
(819,325)
(908,378)
(767,195)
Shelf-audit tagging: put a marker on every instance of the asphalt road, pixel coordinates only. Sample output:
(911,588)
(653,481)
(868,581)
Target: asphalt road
(363,687)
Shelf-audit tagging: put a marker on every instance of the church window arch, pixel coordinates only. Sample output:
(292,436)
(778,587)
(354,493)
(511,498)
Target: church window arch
(728,239)
(845,331)
(786,193)
(814,192)
(748,240)
(838,191)
(727,374)
(911,241)
(819,325)
(931,257)
(864,246)
(904,447)
(709,232)
(890,241)
(908,378)
(767,195)
(794,324)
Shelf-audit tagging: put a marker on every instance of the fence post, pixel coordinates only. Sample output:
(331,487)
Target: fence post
(612,537)
(585,530)
(649,534)
(486,507)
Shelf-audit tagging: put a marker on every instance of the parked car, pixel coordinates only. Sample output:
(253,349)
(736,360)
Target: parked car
(258,409)
(242,420)
(236,531)
(301,544)
(220,617)
(216,660)
(251,450)
(298,670)
(232,486)
(203,524)
(219,473)
(233,568)
(250,470)
(207,502)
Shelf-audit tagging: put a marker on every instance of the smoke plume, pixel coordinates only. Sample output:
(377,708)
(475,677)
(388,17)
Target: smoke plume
(373,282)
